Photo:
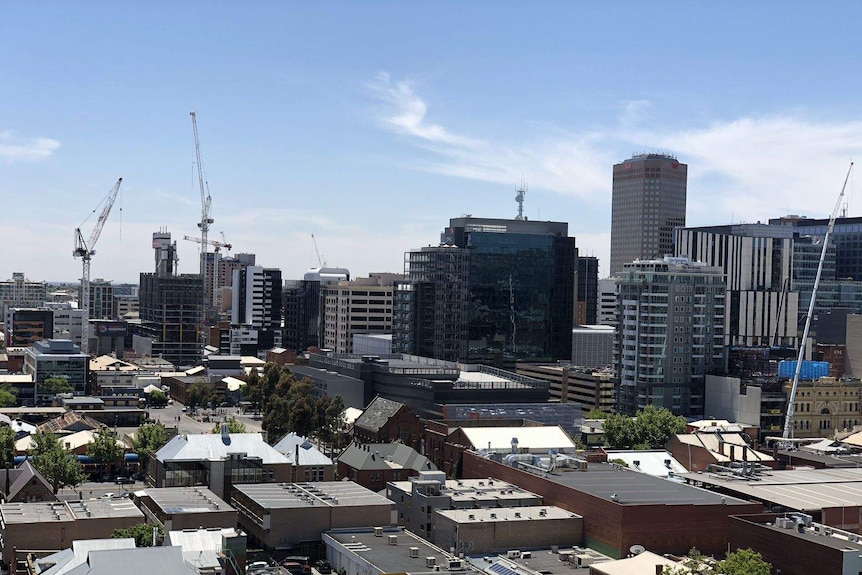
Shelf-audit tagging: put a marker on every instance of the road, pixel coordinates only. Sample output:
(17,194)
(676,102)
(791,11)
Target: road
(95,490)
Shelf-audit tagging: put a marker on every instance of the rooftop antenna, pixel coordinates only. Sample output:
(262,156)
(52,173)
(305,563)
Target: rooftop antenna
(519,197)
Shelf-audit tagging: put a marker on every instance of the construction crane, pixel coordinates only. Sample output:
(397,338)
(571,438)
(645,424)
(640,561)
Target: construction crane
(216,245)
(227,246)
(320,260)
(86,250)
(791,402)
(206,219)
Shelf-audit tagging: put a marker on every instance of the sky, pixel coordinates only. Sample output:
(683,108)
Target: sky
(370,124)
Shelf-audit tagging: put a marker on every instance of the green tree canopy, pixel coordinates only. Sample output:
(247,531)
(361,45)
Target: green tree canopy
(60,467)
(8,395)
(55,385)
(740,562)
(233,426)
(7,446)
(157,398)
(105,449)
(198,395)
(650,429)
(149,438)
(142,533)
(596,413)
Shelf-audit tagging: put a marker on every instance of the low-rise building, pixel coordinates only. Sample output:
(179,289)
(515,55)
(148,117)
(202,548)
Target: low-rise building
(137,561)
(178,508)
(373,465)
(24,484)
(699,451)
(53,526)
(217,461)
(385,420)
(307,462)
(590,387)
(212,551)
(472,531)
(826,405)
(417,499)
(294,516)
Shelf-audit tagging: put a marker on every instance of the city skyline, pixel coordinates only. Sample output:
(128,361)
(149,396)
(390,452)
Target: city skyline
(368,125)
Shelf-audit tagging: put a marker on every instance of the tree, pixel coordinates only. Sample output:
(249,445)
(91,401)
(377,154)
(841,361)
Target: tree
(596,413)
(59,466)
(149,438)
(157,398)
(740,562)
(198,394)
(8,395)
(7,446)
(276,419)
(252,390)
(233,426)
(142,533)
(650,429)
(744,562)
(55,385)
(105,448)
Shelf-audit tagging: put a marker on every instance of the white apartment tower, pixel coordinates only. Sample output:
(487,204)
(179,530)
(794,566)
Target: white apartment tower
(669,335)
(363,305)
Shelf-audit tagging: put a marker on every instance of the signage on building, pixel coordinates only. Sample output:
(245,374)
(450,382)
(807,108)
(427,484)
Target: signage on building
(110,329)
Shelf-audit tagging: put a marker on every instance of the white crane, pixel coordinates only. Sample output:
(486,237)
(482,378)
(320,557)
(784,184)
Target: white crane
(320,260)
(791,402)
(86,250)
(227,246)
(216,245)
(206,220)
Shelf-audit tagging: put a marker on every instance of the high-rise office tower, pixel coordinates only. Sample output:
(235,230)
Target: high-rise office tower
(102,305)
(255,312)
(170,309)
(362,305)
(303,307)
(649,192)
(588,290)
(507,292)
(757,261)
(669,335)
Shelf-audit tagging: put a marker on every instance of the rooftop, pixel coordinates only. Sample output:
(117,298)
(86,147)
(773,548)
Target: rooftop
(384,456)
(175,500)
(540,438)
(197,447)
(292,445)
(47,512)
(298,495)
(801,489)
(633,488)
(529,513)
(388,558)
(816,533)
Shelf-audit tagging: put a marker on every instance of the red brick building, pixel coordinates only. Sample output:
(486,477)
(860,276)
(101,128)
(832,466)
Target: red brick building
(384,421)
(374,465)
(622,508)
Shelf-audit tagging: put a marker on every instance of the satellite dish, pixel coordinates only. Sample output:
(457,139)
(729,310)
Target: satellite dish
(636,549)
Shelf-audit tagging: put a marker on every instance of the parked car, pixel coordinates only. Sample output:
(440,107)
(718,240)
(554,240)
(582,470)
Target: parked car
(124,480)
(323,567)
(256,567)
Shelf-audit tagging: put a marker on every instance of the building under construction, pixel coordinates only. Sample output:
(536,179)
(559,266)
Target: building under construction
(170,309)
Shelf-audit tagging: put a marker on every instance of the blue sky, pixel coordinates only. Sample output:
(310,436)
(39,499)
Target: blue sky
(370,124)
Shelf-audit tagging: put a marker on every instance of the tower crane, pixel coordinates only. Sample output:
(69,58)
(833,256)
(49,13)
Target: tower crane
(216,245)
(206,219)
(85,249)
(226,245)
(320,260)
(791,402)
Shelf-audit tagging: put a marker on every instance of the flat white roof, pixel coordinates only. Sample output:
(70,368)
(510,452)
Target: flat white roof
(544,438)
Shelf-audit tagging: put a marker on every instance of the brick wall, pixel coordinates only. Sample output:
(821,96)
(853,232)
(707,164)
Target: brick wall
(612,528)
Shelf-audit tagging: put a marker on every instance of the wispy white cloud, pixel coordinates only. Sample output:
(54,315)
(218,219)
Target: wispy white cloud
(17,149)
(744,168)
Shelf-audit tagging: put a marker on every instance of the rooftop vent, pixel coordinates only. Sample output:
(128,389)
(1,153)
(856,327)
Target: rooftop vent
(414,552)
(393,540)
(378,532)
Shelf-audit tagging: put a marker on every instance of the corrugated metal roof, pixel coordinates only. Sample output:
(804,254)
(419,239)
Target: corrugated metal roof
(372,456)
(308,453)
(212,446)
(139,561)
(68,559)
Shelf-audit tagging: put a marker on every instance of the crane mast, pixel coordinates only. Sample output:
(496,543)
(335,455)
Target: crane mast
(204,224)
(791,402)
(85,249)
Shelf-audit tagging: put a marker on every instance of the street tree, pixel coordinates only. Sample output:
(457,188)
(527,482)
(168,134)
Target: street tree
(142,533)
(744,562)
(233,426)
(276,419)
(59,466)
(149,438)
(8,395)
(105,448)
(650,429)
(198,395)
(157,398)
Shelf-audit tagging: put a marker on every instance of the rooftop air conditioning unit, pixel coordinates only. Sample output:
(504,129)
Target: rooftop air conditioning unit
(471,517)
(517,514)
(430,562)
(393,540)
(527,555)
(543,512)
(584,560)
(493,516)
(378,532)
(513,554)
(456,565)
(414,552)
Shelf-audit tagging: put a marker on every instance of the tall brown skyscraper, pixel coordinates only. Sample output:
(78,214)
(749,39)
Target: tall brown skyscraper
(648,203)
